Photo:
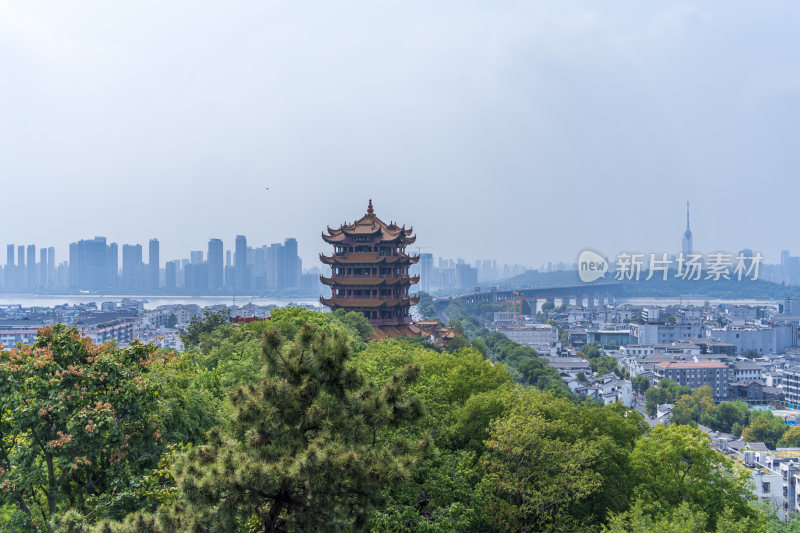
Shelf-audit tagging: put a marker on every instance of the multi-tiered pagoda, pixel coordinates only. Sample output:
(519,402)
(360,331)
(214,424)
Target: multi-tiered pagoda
(370,272)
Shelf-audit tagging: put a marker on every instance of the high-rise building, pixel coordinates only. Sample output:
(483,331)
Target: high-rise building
(215,267)
(466,276)
(112,266)
(291,264)
(51,267)
(426,271)
(153,265)
(41,281)
(242,279)
(196,274)
(196,257)
(132,267)
(30,267)
(171,275)
(73,265)
(271,266)
(10,272)
(260,268)
(89,266)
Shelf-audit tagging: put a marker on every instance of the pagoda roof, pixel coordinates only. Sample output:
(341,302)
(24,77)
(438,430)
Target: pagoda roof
(367,258)
(370,281)
(368,302)
(370,225)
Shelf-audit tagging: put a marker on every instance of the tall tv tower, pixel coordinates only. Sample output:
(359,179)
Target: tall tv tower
(686,246)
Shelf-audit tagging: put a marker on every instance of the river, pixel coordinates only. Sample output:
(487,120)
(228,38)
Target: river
(33,300)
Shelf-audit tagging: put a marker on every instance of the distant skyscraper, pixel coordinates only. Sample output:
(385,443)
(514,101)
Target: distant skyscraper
(30,278)
(686,246)
(112,266)
(215,266)
(90,264)
(241,281)
(426,271)
(41,282)
(171,275)
(153,265)
(73,265)
(132,267)
(196,257)
(51,266)
(10,272)
(291,264)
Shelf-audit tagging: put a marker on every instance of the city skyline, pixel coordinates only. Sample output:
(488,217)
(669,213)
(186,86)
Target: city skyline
(98,264)
(518,122)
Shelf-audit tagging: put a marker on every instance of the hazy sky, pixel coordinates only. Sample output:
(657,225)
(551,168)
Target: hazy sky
(524,131)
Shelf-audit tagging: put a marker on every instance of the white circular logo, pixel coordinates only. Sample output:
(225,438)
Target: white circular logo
(591,266)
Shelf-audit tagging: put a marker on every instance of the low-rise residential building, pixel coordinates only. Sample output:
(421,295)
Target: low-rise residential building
(791,387)
(636,350)
(696,375)
(746,370)
(754,392)
(570,364)
(764,340)
(608,337)
(535,334)
(664,333)
(14,332)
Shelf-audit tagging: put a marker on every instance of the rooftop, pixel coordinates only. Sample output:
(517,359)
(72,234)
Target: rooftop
(690,366)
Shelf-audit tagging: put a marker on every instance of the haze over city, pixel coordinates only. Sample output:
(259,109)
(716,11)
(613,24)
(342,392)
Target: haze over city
(523,133)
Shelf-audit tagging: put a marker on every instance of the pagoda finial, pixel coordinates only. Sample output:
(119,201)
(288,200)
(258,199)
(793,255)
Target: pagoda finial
(369,208)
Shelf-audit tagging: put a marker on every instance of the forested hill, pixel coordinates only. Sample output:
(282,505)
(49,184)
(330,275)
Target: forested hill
(304,423)
(672,287)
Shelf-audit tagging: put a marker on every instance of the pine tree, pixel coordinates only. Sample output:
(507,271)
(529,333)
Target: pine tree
(313,445)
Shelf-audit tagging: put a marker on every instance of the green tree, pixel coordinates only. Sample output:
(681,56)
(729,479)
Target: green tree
(690,408)
(425,306)
(667,391)
(204,325)
(554,466)
(684,518)
(750,354)
(79,422)
(790,439)
(462,392)
(640,383)
(442,496)
(355,321)
(675,465)
(313,444)
(724,416)
(591,351)
(765,427)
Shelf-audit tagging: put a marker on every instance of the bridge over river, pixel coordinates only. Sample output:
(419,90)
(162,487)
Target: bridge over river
(587,293)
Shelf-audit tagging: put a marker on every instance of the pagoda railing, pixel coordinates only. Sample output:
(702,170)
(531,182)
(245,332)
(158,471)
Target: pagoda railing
(370,297)
(391,276)
(390,321)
